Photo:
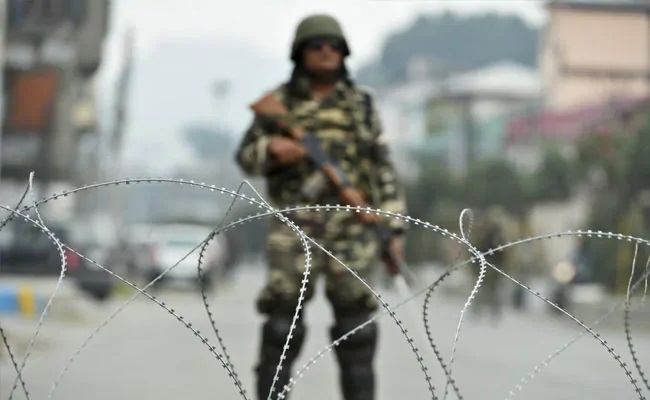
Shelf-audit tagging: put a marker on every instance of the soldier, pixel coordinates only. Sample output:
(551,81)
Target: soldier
(493,229)
(322,97)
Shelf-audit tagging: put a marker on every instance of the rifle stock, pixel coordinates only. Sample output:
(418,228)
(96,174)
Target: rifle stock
(271,108)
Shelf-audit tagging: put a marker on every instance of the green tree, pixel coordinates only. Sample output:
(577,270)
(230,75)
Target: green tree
(601,152)
(622,155)
(496,181)
(635,162)
(454,43)
(425,197)
(556,177)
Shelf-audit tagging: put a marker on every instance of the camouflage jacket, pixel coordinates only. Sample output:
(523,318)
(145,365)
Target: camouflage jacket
(350,134)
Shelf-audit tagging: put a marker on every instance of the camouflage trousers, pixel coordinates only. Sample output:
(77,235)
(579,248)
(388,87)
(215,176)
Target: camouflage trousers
(338,232)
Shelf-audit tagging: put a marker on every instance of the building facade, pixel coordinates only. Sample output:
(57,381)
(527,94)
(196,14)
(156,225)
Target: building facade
(53,49)
(592,51)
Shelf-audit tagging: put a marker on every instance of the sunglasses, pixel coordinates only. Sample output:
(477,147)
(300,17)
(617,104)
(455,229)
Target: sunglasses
(319,43)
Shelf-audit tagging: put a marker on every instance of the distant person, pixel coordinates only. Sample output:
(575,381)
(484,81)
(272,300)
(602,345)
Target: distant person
(321,96)
(491,231)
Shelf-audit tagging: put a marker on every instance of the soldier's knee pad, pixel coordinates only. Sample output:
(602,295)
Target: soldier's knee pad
(362,344)
(275,332)
(360,347)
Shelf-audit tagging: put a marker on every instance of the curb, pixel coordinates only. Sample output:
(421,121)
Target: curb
(26,298)
(21,300)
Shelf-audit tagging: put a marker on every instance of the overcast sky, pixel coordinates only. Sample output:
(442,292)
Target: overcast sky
(269,25)
(246,42)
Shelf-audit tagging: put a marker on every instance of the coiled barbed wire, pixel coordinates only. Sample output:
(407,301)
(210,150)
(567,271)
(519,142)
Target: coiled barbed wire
(429,294)
(43,228)
(2,334)
(252,201)
(13,362)
(610,235)
(537,294)
(526,379)
(628,328)
(579,233)
(226,363)
(472,295)
(56,241)
(216,231)
(300,373)
(162,304)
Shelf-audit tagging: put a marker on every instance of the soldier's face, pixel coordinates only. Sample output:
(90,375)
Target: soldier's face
(323,55)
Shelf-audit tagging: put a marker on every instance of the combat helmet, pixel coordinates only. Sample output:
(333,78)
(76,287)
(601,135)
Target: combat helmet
(314,26)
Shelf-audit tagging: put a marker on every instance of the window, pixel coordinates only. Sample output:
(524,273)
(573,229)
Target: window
(45,14)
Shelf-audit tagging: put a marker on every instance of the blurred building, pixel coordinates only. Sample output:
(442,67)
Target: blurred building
(459,118)
(527,135)
(595,50)
(52,51)
(595,68)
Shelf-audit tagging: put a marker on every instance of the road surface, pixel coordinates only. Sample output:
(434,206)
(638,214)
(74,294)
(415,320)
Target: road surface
(144,353)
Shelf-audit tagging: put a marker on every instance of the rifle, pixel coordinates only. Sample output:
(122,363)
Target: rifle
(271,108)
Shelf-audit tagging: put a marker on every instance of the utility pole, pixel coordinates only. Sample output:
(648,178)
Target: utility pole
(3,54)
(112,159)
(123,85)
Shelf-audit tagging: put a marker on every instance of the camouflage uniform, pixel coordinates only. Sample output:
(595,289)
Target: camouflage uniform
(348,128)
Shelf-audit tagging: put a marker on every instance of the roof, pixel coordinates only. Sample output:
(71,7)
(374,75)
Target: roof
(500,77)
(503,78)
(602,5)
(569,125)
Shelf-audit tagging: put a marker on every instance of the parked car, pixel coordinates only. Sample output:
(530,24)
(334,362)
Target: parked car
(26,250)
(89,277)
(165,245)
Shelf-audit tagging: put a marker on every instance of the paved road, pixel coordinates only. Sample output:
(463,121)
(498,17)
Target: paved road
(146,354)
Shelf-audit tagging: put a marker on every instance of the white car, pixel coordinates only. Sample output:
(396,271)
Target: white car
(179,246)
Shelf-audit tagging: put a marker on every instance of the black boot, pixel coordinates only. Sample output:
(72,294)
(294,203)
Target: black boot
(274,335)
(355,356)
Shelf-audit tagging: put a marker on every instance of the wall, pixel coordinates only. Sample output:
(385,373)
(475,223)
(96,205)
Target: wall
(596,40)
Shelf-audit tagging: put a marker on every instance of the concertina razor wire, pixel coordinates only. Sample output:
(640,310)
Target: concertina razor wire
(463,241)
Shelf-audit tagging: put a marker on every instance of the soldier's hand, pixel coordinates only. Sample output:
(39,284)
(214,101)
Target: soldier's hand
(397,246)
(352,197)
(286,151)
(394,254)
(369,218)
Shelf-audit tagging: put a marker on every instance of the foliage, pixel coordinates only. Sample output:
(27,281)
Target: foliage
(424,198)
(496,182)
(440,197)
(601,152)
(635,162)
(622,156)
(555,178)
(601,255)
(454,43)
